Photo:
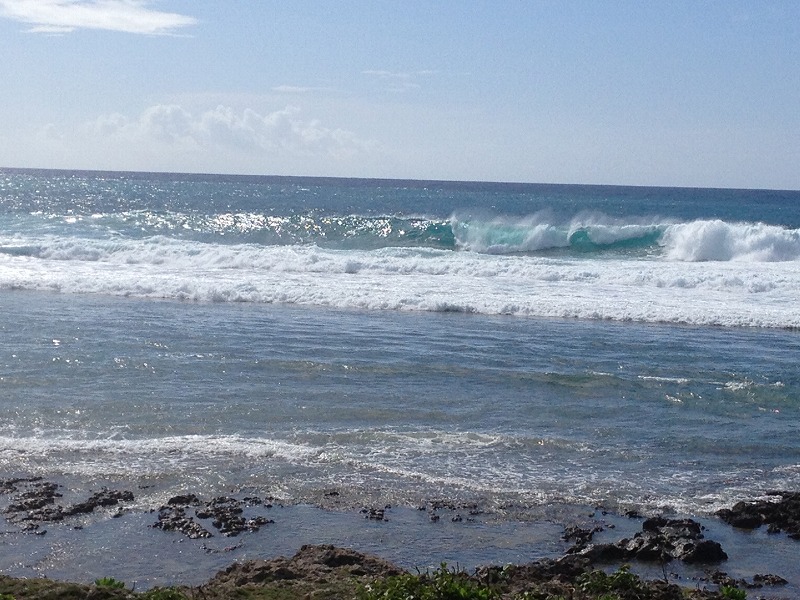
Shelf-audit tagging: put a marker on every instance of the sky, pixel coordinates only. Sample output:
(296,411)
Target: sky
(674,93)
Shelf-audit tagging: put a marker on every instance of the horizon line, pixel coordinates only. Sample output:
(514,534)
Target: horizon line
(340,178)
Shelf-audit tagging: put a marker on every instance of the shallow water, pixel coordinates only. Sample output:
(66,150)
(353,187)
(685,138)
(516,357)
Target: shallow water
(395,408)
(130,549)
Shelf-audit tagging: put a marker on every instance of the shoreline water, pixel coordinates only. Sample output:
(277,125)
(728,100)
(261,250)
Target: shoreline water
(124,543)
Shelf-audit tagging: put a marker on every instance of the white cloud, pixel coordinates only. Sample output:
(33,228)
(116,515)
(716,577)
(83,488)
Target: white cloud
(63,16)
(297,89)
(399,81)
(283,132)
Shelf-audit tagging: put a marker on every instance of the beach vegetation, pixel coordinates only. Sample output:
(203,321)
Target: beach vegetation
(167,593)
(599,582)
(109,582)
(731,592)
(444,583)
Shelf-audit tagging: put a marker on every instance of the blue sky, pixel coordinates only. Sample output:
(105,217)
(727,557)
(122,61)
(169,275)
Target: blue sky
(681,93)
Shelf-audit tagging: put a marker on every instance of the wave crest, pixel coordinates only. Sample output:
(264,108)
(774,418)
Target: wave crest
(717,240)
(537,233)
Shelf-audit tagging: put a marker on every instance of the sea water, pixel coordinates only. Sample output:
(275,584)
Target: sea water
(351,343)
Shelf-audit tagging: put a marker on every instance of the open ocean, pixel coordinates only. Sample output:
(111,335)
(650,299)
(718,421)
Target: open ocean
(392,342)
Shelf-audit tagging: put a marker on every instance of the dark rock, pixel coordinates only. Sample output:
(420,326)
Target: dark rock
(376,514)
(603,553)
(312,563)
(580,535)
(226,514)
(172,518)
(703,552)
(769,579)
(649,548)
(661,540)
(103,498)
(183,500)
(780,513)
(38,495)
(36,502)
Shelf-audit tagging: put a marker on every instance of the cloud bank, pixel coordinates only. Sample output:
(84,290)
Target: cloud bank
(283,132)
(64,16)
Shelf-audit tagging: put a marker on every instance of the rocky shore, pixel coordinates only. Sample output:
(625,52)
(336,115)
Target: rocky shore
(587,569)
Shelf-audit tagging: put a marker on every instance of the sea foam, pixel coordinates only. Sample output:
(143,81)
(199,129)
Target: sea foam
(716,240)
(655,289)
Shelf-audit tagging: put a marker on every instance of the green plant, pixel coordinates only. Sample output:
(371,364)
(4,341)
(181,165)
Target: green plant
(599,582)
(731,592)
(442,584)
(6,597)
(109,582)
(168,593)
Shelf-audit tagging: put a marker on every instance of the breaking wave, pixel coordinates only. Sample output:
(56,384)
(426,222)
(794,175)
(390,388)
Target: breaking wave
(696,241)
(595,235)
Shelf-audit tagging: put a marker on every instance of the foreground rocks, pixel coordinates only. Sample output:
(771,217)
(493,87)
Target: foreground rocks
(328,572)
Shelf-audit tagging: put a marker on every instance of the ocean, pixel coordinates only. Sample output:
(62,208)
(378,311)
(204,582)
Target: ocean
(340,343)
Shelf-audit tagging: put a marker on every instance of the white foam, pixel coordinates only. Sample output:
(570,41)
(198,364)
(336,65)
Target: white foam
(144,457)
(735,292)
(716,240)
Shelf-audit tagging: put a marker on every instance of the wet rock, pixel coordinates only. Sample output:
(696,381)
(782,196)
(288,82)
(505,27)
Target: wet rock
(661,540)
(103,498)
(602,553)
(226,514)
(580,535)
(376,514)
(183,500)
(648,547)
(703,552)
(173,518)
(35,499)
(768,579)
(311,563)
(781,513)
(38,495)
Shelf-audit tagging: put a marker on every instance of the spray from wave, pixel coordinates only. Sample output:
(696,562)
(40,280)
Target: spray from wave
(136,237)
(540,233)
(695,241)
(717,240)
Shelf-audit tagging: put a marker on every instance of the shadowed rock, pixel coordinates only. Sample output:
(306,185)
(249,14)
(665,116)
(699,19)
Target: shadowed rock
(661,540)
(780,513)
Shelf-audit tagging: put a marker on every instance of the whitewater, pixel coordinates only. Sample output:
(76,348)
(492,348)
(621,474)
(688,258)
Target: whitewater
(544,263)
